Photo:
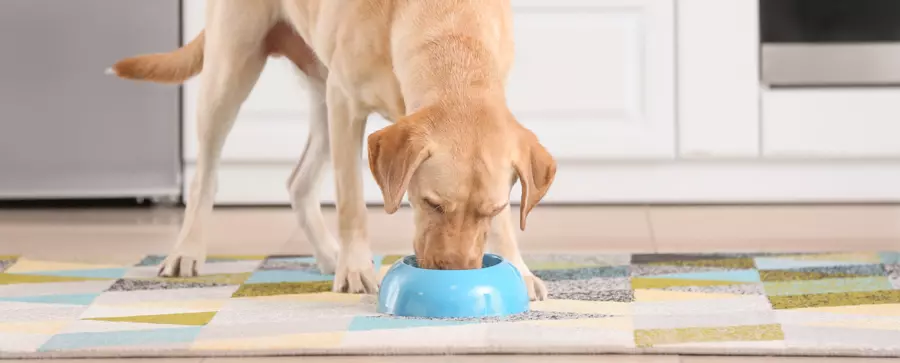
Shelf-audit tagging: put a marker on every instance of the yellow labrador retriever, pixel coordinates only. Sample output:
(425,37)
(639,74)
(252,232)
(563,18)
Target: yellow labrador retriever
(436,68)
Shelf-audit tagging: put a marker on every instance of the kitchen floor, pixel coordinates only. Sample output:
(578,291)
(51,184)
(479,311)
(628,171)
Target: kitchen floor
(126,233)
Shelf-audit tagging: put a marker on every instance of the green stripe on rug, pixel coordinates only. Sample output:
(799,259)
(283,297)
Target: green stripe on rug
(282,288)
(9,279)
(835,299)
(801,287)
(652,337)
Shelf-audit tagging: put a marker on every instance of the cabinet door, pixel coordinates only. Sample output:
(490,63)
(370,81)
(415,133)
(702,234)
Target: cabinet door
(831,123)
(595,79)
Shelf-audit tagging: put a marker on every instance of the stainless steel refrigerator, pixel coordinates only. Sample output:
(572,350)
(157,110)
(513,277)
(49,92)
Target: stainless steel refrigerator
(67,130)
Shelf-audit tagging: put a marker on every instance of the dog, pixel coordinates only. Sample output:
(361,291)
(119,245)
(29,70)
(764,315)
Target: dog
(437,69)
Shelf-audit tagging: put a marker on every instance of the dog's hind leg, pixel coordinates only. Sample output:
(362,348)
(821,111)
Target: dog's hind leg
(234,58)
(503,242)
(307,176)
(303,184)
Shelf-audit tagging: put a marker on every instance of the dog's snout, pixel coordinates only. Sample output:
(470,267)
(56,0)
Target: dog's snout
(451,261)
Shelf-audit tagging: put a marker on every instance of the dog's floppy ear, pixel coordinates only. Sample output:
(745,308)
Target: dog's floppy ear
(395,152)
(536,170)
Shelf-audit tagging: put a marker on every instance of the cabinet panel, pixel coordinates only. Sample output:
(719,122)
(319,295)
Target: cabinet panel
(718,79)
(595,80)
(831,123)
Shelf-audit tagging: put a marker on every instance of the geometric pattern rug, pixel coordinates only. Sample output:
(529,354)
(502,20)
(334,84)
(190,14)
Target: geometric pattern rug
(813,304)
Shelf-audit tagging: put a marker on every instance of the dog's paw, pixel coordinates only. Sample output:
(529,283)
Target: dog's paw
(356,273)
(327,262)
(537,291)
(327,257)
(179,265)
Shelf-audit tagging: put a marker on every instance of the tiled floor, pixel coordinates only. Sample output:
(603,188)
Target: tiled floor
(128,233)
(491,359)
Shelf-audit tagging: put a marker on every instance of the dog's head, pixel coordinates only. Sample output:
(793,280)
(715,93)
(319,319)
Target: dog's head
(458,164)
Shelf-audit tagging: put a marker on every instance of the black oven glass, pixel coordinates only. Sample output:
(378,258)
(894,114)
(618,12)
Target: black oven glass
(829,21)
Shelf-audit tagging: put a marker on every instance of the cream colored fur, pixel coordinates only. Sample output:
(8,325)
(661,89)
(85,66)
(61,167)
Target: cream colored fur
(436,68)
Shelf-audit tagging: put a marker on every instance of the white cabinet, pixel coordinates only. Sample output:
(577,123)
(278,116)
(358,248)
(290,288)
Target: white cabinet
(718,79)
(594,80)
(598,82)
(833,123)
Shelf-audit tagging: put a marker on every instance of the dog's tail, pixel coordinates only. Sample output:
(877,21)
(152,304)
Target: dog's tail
(173,67)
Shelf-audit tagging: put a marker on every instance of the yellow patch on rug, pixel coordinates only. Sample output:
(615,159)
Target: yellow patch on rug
(39,327)
(647,295)
(9,279)
(191,319)
(312,297)
(24,265)
(653,337)
(383,271)
(662,283)
(872,310)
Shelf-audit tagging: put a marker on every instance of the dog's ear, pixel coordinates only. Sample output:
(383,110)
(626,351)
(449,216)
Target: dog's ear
(536,170)
(395,152)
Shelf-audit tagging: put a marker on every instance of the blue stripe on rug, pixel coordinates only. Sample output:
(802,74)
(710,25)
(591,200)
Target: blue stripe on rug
(120,338)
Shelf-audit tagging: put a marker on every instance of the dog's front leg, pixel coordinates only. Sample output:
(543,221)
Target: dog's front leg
(503,242)
(346,128)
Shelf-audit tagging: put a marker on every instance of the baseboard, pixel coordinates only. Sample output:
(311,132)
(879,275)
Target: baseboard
(633,183)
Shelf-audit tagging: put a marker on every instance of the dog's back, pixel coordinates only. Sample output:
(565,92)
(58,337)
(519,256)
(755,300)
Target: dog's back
(360,37)
(379,50)
(383,50)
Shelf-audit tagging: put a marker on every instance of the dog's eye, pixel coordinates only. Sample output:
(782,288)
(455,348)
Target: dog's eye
(433,205)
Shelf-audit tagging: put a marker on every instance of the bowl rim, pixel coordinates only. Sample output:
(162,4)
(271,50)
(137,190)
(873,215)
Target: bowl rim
(500,261)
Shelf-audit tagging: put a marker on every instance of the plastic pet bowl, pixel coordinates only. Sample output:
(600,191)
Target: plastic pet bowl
(496,289)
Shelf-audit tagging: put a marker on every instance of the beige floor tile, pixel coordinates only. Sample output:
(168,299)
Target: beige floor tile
(84,244)
(124,234)
(690,359)
(91,216)
(830,244)
(462,359)
(615,229)
(732,228)
(573,228)
(113,360)
(120,233)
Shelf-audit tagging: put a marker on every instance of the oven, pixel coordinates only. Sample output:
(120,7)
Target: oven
(822,43)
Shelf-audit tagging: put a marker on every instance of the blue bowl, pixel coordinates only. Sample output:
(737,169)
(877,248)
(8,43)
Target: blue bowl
(496,289)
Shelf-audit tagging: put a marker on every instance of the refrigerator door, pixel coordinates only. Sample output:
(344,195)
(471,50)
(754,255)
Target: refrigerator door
(67,130)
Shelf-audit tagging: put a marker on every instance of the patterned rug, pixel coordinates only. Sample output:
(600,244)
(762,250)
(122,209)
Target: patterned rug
(766,304)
